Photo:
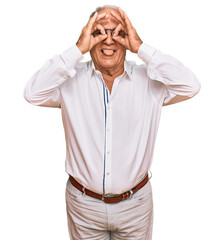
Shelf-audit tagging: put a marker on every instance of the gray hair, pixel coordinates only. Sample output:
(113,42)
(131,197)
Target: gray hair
(98,9)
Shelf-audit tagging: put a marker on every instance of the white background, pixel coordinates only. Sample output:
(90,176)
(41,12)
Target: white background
(188,173)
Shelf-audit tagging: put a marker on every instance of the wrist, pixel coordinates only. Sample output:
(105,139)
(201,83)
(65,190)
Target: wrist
(81,48)
(138,46)
(72,56)
(146,52)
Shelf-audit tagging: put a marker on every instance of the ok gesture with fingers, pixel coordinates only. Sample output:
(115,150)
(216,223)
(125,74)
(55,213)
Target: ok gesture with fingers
(125,33)
(86,40)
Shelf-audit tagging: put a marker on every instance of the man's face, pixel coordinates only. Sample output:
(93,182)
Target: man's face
(108,54)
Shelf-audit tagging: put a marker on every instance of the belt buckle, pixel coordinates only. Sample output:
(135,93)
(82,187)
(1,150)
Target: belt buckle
(126,195)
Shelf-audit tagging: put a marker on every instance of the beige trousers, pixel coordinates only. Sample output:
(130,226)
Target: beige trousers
(92,219)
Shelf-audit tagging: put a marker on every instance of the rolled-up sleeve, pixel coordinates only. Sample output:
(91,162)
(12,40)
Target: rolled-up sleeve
(179,81)
(43,87)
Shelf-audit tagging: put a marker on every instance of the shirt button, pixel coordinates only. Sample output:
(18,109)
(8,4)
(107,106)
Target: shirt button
(108,151)
(108,107)
(108,173)
(108,129)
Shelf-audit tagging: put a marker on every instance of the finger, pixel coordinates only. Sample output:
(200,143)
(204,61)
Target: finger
(101,15)
(117,16)
(99,27)
(95,17)
(92,20)
(121,12)
(122,41)
(125,17)
(118,29)
(99,38)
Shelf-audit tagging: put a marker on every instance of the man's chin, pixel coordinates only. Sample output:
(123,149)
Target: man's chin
(108,64)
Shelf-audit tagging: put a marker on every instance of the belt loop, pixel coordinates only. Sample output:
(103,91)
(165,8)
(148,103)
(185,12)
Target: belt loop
(131,193)
(123,195)
(83,191)
(150,174)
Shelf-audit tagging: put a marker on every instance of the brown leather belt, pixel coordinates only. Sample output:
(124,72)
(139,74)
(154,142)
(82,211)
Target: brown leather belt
(109,199)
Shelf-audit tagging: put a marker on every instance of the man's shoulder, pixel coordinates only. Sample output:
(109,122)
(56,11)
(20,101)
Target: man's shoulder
(82,65)
(133,67)
(134,64)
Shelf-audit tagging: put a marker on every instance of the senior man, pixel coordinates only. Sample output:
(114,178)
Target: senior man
(110,109)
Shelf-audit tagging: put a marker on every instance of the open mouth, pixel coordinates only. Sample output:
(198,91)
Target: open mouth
(108,52)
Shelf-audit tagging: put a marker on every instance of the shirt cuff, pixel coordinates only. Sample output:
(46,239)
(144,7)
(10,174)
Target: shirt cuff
(145,52)
(72,56)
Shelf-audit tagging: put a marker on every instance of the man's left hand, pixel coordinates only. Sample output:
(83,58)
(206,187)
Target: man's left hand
(125,33)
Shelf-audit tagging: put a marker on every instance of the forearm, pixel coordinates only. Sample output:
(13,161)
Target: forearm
(180,82)
(43,88)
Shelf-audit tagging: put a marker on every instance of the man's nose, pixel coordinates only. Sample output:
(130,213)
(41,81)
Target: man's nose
(109,39)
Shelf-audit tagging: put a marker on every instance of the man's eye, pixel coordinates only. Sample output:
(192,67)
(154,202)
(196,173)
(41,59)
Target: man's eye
(122,34)
(97,32)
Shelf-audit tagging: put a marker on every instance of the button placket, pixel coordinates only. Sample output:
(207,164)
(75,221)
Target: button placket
(108,132)
(108,149)
(107,182)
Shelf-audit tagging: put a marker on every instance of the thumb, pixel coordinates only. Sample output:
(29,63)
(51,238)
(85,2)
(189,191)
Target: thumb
(100,38)
(121,40)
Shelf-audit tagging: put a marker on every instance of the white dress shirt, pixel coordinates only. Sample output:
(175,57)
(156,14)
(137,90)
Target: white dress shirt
(110,137)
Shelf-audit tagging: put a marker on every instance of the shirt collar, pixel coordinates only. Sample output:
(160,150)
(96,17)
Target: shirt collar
(127,68)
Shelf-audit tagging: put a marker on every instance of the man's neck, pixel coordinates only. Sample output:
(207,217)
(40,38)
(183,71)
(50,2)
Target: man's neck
(110,73)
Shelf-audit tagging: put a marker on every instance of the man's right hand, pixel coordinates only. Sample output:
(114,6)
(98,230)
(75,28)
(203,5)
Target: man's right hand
(86,40)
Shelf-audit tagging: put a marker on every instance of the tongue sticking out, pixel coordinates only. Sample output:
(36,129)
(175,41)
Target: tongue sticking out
(108,52)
